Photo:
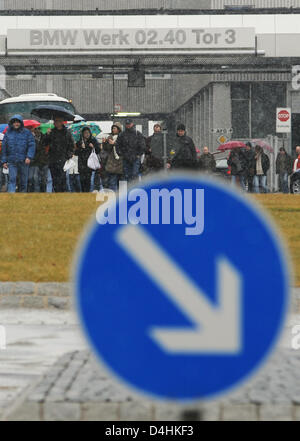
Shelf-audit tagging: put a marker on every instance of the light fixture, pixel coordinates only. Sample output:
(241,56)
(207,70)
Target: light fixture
(124,114)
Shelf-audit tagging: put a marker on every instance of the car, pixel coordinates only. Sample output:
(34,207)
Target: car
(222,168)
(295,183)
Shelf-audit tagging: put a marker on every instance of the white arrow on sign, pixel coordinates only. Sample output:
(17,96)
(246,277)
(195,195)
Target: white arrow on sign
(217,328)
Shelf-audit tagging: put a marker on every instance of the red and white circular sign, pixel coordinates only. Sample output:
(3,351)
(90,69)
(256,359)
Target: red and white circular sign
(284,115)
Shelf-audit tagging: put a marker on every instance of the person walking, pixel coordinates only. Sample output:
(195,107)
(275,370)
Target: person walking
(39,173)
(261,165)
(237,163)
(185,151)
(114,162)
(18,150)
(249,170)
(131,146)
(207,162)
(61,148)
(84,148)
(295,171)
(154,160)
(284,167)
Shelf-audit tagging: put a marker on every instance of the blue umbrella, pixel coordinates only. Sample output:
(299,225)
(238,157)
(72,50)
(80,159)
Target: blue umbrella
(3,127)
(51,112)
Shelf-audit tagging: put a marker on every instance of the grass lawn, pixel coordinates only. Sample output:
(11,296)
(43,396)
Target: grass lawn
(39,232)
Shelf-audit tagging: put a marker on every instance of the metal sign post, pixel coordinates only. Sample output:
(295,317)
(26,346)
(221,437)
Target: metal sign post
(165,157)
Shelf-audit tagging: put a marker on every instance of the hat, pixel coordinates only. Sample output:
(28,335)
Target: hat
(181,127)
(128,121)
(118,125)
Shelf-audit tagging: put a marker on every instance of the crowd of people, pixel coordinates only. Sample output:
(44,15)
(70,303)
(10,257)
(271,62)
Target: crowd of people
(31,161)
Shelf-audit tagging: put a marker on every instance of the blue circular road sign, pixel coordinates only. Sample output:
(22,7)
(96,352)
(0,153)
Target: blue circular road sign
(183,288)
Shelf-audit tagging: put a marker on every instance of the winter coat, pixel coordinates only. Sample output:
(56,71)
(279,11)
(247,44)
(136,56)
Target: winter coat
(284,164)
(83,151)
(61,144)
(249,157)
(155,151)
(185,153)
(41,157)
(238,163)
(17,145)
(114,162)
(131,144)
(207,162)
(265,162)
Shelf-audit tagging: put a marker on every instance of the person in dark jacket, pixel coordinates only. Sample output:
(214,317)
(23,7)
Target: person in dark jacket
(131,146)
(18,150)
(261,165)
(249,169)
(207,162)
(62,146)
(39,173)
(284,168)
(114,162)
(185,150)
(84,148)
(155,150)
(237,163)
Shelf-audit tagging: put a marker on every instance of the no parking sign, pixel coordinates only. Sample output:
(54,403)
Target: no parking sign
(182,287)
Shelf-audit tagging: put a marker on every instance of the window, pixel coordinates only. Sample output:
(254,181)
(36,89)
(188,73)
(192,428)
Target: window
(240,96)
(265,99)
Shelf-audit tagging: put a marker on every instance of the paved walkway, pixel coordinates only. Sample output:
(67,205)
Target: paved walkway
(37,339)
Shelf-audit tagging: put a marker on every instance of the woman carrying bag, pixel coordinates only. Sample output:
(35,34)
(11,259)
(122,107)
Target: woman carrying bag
(84,148)
(114,164)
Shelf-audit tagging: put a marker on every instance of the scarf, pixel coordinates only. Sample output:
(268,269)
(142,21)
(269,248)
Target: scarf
(259,169)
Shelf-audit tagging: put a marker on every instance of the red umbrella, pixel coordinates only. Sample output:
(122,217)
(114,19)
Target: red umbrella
(262,144)
(29,124)
(231,145)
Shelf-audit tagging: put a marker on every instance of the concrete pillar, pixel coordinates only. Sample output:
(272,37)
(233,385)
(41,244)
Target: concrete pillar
(221,110)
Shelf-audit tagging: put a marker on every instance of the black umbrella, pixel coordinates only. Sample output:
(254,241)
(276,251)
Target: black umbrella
(51,112)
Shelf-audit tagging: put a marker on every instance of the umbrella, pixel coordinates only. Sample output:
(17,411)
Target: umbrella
(263,144)
(45,126)
(3,127)
(28,124)
(78,118)
(231,145)
(51,112)
(76,129)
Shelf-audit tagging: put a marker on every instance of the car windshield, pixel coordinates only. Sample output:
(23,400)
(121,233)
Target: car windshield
(24,108)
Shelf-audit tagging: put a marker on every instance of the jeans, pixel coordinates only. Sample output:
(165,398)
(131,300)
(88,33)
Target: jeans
(18,169)
(34,179)
(131,170)
(73,183)
(260,181)
(241,179)
(113,181)
(284,182)
(96,181)
(40,179)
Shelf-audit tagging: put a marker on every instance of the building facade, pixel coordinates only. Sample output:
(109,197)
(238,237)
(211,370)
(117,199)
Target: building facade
(217,73)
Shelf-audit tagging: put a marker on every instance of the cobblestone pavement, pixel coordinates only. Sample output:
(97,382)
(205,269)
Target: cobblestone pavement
(35,340)
(76,388)
(35,295)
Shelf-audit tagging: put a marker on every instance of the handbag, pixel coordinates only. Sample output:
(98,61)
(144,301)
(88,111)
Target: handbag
(69,164)
(93,161)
